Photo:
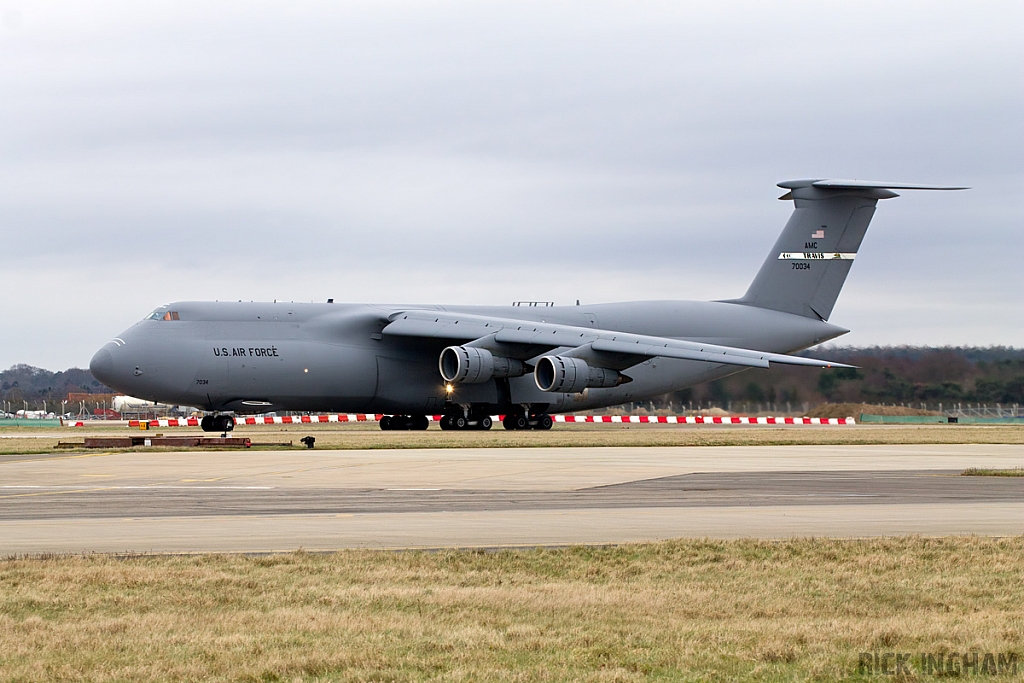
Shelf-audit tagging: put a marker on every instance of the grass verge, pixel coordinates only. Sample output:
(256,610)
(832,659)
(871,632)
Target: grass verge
(362,437)
(981,472)
(678,611)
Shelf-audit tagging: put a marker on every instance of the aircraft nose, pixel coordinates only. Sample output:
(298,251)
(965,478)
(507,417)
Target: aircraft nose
(102,367)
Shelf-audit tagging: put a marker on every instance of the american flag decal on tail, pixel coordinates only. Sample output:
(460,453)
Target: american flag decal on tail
(818,235)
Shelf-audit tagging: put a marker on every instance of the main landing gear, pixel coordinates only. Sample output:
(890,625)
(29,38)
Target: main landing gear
(217,423)
(520,420)
(404,422)
(457,420)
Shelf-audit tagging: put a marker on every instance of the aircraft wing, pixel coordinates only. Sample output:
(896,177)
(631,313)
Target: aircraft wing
(524,339)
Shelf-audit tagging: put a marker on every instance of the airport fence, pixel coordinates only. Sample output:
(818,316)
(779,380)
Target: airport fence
(983,410)
(976,410)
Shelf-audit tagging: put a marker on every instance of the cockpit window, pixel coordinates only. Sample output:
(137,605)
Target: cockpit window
(161,314)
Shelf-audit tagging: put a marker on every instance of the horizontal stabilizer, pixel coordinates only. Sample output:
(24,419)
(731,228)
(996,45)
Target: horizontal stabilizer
(863,185)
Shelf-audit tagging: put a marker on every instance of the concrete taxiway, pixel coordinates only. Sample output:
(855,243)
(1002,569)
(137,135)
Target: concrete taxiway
(269,501)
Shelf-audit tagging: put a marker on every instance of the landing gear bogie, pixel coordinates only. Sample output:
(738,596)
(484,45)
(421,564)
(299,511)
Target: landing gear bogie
(404,422)
(460,421)
(517,421)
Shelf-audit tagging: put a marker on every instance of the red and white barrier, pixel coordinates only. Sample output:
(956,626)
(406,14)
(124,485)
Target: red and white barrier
(599,419)
(249,420)
(705,420)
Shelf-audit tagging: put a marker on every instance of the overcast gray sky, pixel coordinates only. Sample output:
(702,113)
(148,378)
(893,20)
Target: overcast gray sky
(483,152)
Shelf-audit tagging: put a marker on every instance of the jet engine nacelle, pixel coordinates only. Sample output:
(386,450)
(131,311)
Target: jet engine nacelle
(471,365)
(567,375)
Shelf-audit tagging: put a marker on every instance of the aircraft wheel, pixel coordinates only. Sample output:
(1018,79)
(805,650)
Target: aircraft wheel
(420,422)
(544,422)
(207,423)
(459,422)
(385,423)
(446,423)
(484,423)
(220,423)
(515,421)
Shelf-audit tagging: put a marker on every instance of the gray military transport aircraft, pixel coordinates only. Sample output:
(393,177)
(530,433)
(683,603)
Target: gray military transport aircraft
(523,361)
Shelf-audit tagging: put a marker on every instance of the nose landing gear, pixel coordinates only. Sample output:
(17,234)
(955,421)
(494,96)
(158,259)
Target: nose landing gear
(217,423)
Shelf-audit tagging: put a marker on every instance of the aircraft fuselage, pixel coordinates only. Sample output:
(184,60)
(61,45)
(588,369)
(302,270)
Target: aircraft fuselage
(262,357)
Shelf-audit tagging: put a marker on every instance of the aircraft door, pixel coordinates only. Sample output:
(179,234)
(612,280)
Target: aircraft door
(210,386)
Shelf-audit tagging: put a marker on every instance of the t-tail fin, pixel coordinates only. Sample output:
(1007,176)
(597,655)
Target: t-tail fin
(808,264)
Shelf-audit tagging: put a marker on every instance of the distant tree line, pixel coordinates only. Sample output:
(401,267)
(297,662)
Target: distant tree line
(21,384)
(889,375)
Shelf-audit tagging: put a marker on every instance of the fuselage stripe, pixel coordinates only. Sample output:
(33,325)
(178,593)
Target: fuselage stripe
(817,255)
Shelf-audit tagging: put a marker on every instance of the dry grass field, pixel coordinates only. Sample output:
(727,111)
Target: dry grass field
(982,472)
(675,611)
(19,440)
